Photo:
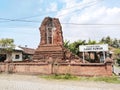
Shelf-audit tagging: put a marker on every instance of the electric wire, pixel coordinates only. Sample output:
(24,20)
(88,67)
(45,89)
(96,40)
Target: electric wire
(59,10)
(23,19)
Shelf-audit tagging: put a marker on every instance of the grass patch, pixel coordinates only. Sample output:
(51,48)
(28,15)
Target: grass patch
(112,79)
(63,77)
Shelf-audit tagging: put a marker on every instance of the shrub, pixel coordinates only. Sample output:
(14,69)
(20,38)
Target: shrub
(118,61)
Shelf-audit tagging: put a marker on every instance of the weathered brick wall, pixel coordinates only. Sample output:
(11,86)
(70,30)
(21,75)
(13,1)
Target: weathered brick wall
(32,68)
(26,68)
(2,67)
(87,69)
(91,69)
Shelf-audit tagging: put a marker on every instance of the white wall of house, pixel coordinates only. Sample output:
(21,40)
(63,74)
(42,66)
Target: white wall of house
(16,56)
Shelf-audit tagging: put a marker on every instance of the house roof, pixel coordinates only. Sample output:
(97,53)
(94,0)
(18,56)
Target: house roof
(27,50)
(18,48)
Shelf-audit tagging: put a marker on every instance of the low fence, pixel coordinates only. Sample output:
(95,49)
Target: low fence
(86,69)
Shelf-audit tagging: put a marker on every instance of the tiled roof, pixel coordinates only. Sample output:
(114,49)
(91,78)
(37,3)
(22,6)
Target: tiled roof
(28,50)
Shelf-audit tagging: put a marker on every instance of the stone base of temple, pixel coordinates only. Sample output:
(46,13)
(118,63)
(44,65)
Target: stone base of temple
(55,53)
(49,51)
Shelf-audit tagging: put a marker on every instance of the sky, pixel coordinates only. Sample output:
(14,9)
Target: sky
(80,19)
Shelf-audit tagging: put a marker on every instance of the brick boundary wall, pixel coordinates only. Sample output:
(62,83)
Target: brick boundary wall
(84,69)
(2,67)
(90,69)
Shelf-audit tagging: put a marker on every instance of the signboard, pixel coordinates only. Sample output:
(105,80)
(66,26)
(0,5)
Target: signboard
(87,48)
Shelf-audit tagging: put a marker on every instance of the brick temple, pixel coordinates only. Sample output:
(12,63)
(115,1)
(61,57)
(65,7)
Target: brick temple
(51,42)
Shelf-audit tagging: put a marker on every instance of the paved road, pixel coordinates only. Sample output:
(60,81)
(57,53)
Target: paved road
(25,82)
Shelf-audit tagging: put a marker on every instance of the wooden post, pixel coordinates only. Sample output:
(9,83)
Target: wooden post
(104,55)
(83,57)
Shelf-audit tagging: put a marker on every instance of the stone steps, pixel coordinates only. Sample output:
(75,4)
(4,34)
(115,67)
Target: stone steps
(49,48)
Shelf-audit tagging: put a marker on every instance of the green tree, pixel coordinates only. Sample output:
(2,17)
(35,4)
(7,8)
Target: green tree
(106,40)
(102,40)
(66,43)
(119,43)
(116,43)
(74,47)
(117,51)
(91,42)
(7,46)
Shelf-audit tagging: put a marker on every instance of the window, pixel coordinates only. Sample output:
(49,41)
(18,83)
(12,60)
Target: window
(49,35)
(17,56)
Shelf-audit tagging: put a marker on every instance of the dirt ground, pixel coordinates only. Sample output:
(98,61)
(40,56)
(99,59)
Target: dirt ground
(30,82)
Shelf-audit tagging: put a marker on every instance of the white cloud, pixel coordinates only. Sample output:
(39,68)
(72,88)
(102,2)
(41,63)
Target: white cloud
(89,12)
(69,3)
(74,8)
(52,7)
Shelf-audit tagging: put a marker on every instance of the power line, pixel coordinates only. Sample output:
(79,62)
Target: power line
(7,19)
(32,21)
(78,10)
(89,24)
(17,20)
(21,19)
(57,11)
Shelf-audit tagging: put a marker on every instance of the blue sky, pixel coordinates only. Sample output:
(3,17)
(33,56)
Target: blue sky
(68,11)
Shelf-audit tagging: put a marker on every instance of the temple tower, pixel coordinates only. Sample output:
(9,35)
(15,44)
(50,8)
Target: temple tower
(51,42)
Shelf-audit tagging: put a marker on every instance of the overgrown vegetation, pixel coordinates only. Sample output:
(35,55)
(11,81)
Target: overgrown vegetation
(118,61)
(114,45)
(117,54)
(112,79)
(111,42)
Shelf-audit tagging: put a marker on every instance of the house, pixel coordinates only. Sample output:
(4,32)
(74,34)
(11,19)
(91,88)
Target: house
(18,54)
(27,53)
